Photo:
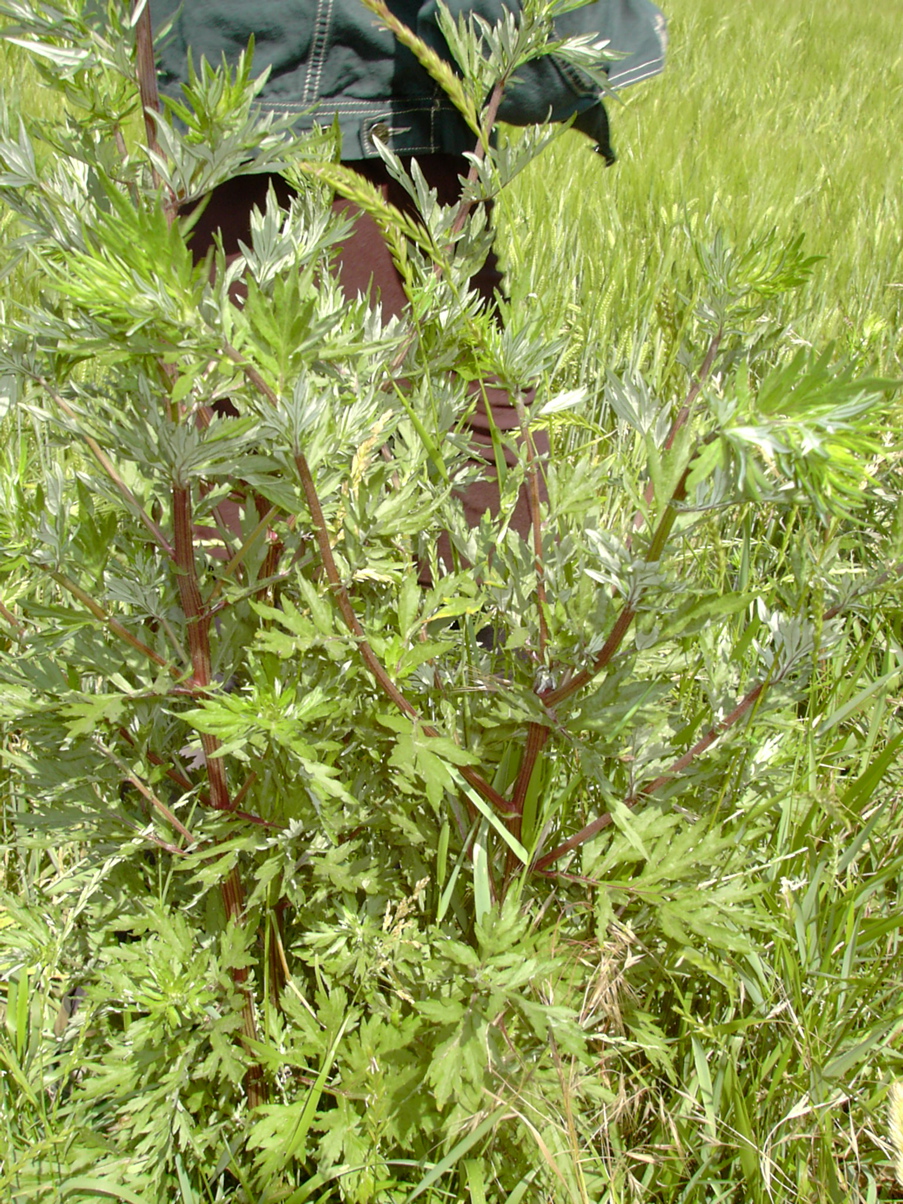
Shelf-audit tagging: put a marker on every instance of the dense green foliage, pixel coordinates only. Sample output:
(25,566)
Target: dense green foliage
(362,904)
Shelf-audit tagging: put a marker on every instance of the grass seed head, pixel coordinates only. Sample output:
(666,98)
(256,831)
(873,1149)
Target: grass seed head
(895,1126)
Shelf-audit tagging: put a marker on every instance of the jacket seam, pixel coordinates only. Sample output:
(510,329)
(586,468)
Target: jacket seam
(637,73)
(318,49)
(360,108)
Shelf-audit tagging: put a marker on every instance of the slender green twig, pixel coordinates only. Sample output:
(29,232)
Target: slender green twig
(684,413)
(369,657)
(656,547)
(146,793)
(538,733)
(535,525)
(489,118)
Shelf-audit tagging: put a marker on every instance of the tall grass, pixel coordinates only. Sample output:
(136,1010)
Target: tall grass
(767,115)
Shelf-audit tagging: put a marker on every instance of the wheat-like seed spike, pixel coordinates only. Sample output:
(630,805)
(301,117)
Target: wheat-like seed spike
(895,1126)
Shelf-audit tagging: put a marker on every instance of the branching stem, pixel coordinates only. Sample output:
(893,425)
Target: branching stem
(554,697)
(535,525)
(538,733)
(146,793)
(198,623)
(684,413)
(749,700)
(147,76)
(117,628)
(14,623)
(343,601)
(107,465)
(603,821)
(368,656)
(466,203)
(197,618)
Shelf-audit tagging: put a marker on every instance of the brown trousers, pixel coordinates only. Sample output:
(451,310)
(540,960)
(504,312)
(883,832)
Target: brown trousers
(365,266)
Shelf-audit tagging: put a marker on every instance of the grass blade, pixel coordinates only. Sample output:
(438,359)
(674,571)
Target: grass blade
(466,1143)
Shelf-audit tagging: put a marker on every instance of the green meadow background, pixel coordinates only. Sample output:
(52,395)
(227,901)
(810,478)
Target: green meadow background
(785,115)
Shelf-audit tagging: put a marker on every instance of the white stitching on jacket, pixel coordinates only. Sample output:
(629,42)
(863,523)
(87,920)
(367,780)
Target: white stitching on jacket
(318,48)
(640,72)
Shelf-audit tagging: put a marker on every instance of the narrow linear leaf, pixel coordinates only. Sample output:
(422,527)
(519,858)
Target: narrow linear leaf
(84,1185)
(854,704)
(511,841)
(454,1155)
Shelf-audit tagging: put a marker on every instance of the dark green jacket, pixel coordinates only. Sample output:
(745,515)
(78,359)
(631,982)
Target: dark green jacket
(332,58)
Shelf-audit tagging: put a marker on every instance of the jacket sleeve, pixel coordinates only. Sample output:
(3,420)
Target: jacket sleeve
(551,88)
